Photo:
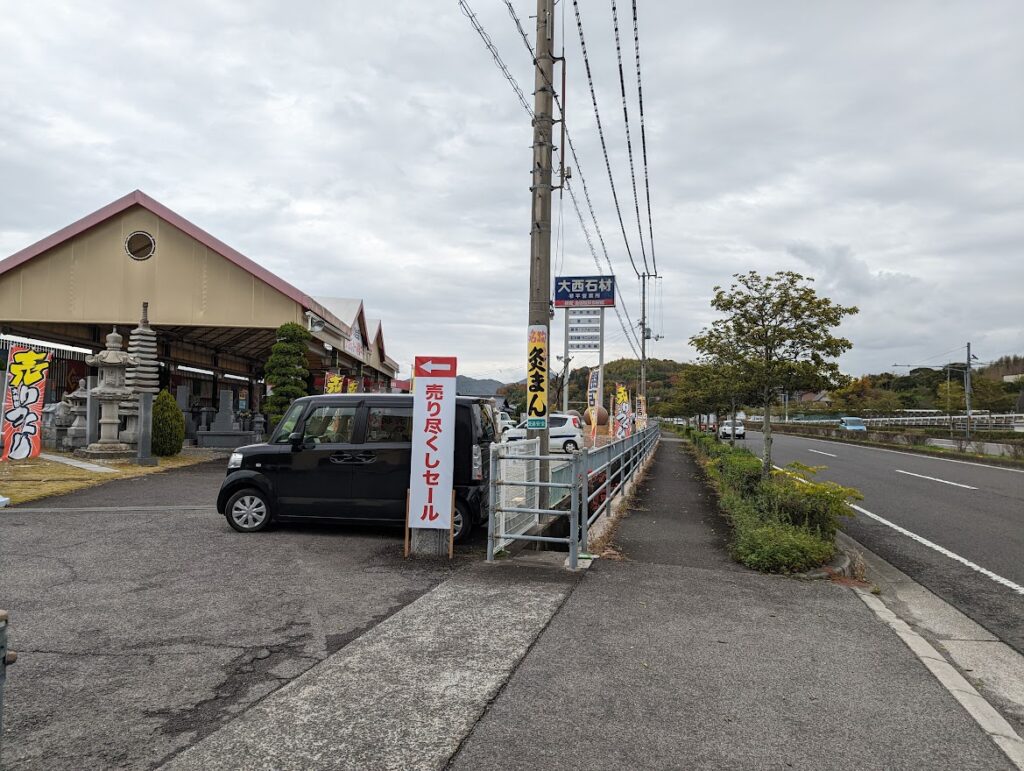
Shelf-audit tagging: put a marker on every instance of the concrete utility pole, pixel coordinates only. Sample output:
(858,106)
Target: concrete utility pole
(540,219)
(967,390)
(643,334)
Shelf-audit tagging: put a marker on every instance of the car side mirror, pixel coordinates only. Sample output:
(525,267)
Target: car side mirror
(295,439)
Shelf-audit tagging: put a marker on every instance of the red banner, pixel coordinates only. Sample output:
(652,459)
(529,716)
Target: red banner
(21,425)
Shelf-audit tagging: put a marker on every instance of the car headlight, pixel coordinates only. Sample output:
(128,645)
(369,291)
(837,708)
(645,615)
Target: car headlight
(235,461)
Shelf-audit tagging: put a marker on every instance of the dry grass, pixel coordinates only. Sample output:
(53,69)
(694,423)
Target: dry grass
(31,480)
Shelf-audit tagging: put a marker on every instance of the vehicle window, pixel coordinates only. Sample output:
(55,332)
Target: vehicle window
(504,416)
(288,423)
(330,424)
(389,424)
(557,422)
(483,419)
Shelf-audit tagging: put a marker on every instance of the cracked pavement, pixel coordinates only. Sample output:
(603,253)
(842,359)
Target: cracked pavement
(140,632)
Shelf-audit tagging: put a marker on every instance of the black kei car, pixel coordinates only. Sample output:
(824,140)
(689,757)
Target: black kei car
(346,458)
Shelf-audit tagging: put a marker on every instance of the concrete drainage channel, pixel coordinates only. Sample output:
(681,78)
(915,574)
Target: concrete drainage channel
(587,493)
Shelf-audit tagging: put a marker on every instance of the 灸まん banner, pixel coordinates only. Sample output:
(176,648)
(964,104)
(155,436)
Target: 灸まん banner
(21,429)
(537,377)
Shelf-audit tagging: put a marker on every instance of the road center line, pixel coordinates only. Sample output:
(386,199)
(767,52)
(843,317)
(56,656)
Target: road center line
(930,544)
(819,452)
(934,479)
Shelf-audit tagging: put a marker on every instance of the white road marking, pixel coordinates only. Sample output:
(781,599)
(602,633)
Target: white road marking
(911,454)
(819,452)
(930,544)
(934,479)
(941,550)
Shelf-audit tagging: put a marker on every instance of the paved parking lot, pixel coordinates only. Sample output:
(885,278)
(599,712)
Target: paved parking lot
(143,624)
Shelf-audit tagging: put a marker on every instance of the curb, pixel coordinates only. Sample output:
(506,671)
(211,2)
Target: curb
(841,566)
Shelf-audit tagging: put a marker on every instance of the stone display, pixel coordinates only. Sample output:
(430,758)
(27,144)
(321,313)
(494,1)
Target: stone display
(110,392)
(76,434)
(143,377)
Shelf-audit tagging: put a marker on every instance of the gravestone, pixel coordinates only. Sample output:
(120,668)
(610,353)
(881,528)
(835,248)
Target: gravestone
(223,432)
(182,396)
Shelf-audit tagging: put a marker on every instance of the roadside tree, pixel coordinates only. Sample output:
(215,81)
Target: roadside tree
(285,371)
(777,334)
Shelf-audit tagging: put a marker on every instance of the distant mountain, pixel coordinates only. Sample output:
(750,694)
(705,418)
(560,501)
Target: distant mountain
(470,386)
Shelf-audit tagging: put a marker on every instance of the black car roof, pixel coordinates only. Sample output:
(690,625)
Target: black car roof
(380,397)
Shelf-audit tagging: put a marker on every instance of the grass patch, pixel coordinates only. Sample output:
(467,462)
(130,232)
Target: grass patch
(32,480)
(785,523)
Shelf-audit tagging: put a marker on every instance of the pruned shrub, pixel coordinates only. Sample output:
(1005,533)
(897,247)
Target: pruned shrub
(168,426)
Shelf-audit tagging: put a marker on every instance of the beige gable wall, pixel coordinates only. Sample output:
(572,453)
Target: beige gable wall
(91,279)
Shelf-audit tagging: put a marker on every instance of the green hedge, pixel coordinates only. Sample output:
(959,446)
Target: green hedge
(783,524)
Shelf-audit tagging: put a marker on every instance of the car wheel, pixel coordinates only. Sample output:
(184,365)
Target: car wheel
(462,522)
(248,511)
(570,446)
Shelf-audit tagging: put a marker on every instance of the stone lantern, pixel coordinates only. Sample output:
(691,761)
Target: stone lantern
(111,391)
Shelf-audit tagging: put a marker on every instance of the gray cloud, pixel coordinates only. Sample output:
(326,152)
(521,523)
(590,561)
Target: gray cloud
(375,151)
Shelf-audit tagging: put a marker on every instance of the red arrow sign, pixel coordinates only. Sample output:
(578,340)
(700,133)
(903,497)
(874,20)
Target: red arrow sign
(435,366)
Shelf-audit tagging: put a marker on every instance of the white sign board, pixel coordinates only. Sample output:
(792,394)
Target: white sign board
(433,443)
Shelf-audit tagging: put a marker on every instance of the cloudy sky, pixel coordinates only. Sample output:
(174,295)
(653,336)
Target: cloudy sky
(374,150)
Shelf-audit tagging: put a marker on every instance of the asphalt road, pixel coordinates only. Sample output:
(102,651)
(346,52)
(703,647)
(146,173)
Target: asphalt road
(143,629)
(974,511)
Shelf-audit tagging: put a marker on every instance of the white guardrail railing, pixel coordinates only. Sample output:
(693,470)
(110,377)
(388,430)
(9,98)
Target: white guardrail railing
(981,420)
(581,488)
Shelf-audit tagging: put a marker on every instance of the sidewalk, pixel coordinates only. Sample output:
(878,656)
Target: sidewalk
(674,657)
(678,658)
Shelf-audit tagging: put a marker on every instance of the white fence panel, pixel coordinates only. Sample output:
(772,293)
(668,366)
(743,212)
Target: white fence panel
(512,468)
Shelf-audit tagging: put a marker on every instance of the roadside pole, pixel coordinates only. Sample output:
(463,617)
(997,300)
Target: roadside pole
(565,361)
(540,228)
(967,390)
(643,334)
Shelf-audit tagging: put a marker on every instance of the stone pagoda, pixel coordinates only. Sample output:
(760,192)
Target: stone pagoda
(141,378)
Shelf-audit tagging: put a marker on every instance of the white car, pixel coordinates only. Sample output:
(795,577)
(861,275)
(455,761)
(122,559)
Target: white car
(727,429)
(565,432)
(504,422)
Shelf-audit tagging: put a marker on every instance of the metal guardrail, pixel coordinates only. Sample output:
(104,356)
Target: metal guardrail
(978,420)
(618,462)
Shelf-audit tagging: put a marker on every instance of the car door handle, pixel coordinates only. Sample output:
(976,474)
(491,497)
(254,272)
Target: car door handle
(366,457)
(342,457)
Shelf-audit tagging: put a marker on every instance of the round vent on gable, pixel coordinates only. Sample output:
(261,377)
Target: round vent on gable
(140,245)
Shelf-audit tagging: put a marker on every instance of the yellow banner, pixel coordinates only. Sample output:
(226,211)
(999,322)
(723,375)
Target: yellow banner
(537,377)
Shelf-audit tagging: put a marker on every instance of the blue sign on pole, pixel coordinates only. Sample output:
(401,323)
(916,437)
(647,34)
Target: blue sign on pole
(585,291)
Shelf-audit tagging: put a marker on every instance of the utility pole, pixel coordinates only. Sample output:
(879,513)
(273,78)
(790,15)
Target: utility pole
(967,390)
(643,334)
(540,219)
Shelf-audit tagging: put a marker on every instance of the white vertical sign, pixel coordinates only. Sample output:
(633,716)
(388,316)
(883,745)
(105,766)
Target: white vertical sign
(433,442)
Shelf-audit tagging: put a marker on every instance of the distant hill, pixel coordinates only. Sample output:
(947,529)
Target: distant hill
(470,386)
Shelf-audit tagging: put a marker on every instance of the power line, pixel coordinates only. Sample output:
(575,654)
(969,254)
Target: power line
(629,140)
(600,132)
(626,328)
(583,183)
(494,53)
(643,138)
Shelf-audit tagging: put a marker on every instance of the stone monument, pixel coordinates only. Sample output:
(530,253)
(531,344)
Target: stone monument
(76,434)
(110,392)
(224,432)
(142,378)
